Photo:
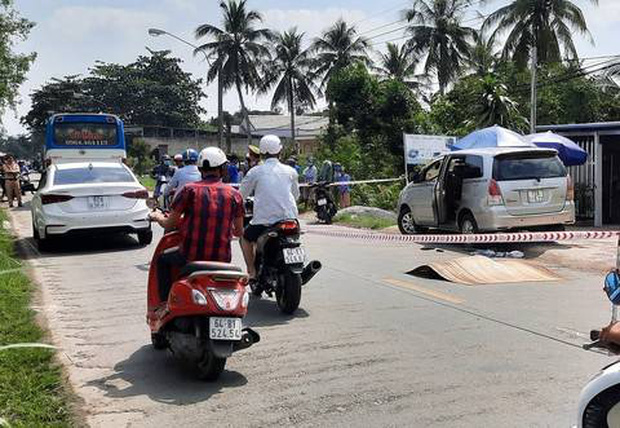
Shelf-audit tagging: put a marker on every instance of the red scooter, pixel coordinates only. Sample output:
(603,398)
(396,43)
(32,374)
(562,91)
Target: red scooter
(201,322)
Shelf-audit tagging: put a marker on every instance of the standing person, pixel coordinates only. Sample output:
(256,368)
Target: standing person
(11,172)
(275,188)
(233,170)
(2,180)
(253,156)
(309,177)
(345,189)
(188,174)
(208,213)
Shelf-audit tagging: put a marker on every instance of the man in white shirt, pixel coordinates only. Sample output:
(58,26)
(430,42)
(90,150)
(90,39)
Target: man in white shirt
(275,187)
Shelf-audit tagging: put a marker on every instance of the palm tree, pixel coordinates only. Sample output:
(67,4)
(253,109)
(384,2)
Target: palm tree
(484,57)
(290,73)
(399,63)
(338,47)
(547,25)
(436,30)
(495,107)
(238,48)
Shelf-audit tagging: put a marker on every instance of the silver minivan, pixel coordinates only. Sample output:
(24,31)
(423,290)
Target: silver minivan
(489,190)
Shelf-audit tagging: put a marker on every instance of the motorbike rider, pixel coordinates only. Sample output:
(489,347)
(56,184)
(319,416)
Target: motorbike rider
(207,213)
(163,169)
(276,188)
(188,174)
(611,333)
(179,161)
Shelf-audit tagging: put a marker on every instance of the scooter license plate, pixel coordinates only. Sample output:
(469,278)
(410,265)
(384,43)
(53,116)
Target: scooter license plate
(224,328)
(321,202)
(294,256)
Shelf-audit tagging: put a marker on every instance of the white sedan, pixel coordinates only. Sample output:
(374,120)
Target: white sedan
(89,197)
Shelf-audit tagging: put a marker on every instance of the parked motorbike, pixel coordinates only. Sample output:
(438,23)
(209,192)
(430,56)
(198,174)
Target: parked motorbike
(325,207)
(280,268)
(599,402)
(25,184)
(201,321)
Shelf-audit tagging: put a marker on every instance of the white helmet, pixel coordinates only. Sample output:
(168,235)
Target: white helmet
(270,144)
(211,157)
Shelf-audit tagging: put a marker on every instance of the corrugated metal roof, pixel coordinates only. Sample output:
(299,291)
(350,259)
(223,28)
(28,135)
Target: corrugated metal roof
(596,126)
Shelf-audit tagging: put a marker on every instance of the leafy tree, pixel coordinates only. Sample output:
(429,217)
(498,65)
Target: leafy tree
(436,29)
(21,146)
(153,90)
(290,73)
(238,47)
(399,63)
(495,107)
(337,48)
(140,156)
(549,25)
(483,58)
(13,66)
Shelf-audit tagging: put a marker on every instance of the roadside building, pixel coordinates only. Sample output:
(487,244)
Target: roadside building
(597,182)
(307,129)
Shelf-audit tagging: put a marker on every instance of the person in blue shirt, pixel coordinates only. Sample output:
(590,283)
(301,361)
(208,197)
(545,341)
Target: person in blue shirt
(233,169)
(344,190)
(188,174)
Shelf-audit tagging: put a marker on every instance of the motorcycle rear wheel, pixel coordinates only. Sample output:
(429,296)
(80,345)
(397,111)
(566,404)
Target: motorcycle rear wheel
(210,367)
(288,294)
(158,341)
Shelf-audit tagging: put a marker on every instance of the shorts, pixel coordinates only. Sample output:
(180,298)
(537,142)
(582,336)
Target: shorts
(253,231)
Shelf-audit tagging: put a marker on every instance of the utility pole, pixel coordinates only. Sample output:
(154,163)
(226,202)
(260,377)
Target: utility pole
(534,89)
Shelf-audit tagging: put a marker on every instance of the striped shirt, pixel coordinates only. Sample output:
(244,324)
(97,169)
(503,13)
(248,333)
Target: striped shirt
(209,208)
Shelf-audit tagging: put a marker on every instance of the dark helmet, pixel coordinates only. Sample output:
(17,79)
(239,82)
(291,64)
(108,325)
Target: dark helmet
(190,155)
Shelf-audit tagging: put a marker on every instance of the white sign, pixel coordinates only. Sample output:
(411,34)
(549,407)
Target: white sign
(420,149)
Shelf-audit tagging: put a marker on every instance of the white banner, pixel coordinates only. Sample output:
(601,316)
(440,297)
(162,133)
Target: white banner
(420,149)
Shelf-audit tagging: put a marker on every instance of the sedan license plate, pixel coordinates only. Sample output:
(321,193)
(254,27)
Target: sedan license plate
(97,202)
(535,196)
(321,202)
(224,328)
(294,256)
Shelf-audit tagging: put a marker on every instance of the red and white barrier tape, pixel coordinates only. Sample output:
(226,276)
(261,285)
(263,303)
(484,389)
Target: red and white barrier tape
(490,238)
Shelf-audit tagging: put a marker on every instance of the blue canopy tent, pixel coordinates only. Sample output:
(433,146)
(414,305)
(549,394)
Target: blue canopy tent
(495,136)
(569,152)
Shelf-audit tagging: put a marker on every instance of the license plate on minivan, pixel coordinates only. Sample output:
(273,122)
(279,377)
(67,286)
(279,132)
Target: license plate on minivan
(97,202)
(535,196)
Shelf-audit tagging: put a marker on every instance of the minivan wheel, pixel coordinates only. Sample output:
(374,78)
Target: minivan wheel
(406,224)
(468,224)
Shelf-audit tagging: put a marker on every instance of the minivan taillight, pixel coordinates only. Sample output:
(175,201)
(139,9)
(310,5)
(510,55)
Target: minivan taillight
(138,194)
(495,194)
(570,189)
(54,199)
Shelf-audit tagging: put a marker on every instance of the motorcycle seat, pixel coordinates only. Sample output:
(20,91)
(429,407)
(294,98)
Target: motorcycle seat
(193,267)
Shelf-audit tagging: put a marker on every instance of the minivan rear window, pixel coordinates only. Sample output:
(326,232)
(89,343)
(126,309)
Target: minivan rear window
(92,175)
(523,166)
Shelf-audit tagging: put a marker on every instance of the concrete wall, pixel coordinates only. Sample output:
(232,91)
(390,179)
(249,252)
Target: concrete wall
(171,146)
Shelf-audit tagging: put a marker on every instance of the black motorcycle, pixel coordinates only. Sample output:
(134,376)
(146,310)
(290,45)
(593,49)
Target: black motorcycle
(25,184)
(324,206)
(280,266)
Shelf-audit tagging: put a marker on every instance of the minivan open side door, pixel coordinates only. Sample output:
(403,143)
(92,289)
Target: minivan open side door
(440,205)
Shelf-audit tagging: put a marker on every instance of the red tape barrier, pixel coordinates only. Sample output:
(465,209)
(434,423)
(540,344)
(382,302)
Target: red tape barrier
(495,238)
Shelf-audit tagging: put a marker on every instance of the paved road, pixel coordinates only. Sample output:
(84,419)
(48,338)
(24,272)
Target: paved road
(370,346)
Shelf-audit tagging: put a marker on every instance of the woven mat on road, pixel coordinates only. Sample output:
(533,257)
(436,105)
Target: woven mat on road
(475,270)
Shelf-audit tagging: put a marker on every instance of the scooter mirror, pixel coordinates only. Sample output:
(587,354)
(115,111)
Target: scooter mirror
(151,203)
(612,286)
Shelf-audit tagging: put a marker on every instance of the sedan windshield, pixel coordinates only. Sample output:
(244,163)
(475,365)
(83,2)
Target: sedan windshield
(92,175)
(527,166)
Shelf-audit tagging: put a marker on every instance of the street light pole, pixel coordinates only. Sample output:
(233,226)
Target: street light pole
(155,32)
(534,89)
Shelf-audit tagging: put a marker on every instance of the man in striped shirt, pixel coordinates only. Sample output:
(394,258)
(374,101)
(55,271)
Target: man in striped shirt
(208,213)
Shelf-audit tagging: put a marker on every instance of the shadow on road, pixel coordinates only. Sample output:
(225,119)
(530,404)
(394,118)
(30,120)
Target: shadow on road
(162,378)
(82,245)
(265,313)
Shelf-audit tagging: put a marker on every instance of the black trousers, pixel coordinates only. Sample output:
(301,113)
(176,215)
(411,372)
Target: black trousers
(165,263)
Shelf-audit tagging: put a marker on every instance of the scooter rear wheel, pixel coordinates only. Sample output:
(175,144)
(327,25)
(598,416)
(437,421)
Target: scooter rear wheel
(159,341)
(210,367)
(288,294)
(604,410)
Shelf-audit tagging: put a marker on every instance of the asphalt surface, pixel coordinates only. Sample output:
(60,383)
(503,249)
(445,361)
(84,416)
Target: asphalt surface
(370,345)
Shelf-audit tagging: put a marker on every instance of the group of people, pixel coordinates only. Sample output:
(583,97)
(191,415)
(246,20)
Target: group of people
(209,213)
(11,172)
(329,173)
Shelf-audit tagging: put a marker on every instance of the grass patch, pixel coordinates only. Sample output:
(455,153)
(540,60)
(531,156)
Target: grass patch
(364,221)
(31,387)
(148,182)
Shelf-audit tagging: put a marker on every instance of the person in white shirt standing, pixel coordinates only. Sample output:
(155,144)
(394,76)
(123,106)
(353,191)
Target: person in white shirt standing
(275,187)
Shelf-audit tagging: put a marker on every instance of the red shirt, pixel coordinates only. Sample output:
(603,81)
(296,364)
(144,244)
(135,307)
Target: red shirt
(209,208)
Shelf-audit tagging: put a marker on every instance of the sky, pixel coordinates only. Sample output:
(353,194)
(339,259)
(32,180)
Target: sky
(70,35)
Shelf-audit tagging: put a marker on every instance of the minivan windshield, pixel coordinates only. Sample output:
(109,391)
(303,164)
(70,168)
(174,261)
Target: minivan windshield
(523,166)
